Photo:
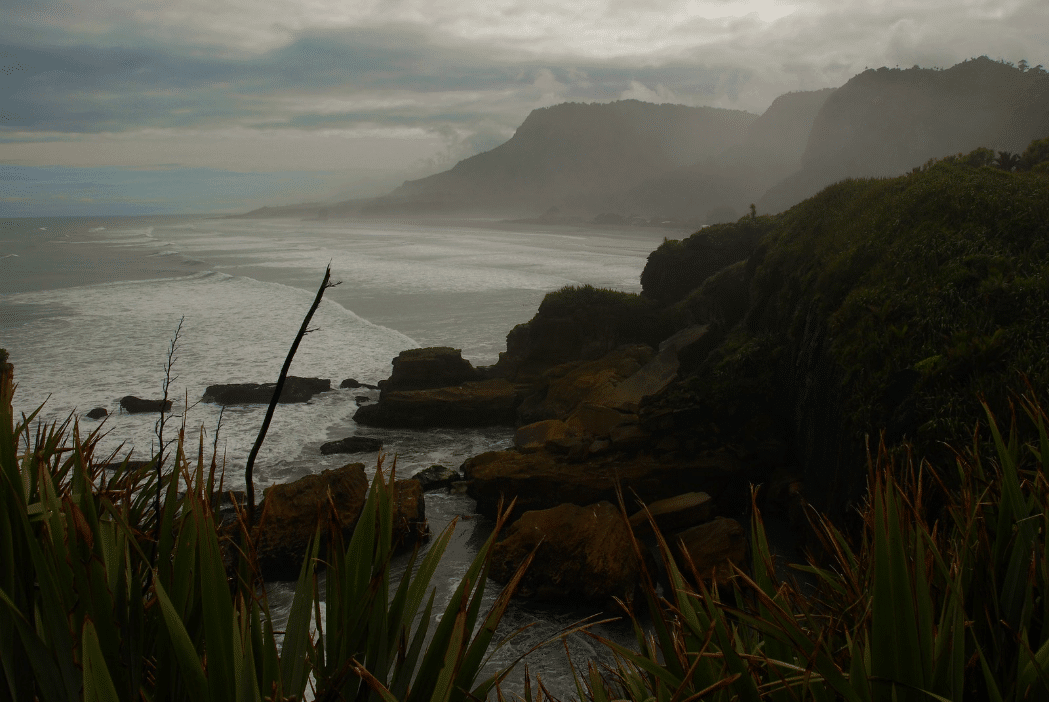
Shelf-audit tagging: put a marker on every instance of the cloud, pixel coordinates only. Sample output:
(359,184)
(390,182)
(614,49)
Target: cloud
(640,91)
(409,85)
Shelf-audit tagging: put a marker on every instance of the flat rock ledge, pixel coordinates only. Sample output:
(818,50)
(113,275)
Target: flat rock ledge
(296,389)
(471,404)
(352,444)
(135,405)
(542,480)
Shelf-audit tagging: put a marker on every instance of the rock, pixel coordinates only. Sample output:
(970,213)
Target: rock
(97,413)
(577,324)
(712,546)
(582,553)
(292,511)
(352,444)
(629,438)
(534,437)
(354,384)
(570,385)
(295,389)
(542,479)
(674,513)
(409,516)
(361,399)
(437,477)
(654,377)
(133,405)
(424,369)
(472,404)
(598,421)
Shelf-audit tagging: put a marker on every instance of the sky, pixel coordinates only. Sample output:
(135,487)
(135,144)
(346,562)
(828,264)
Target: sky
(139,106)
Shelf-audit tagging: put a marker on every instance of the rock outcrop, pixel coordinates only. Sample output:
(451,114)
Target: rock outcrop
(434,367)
(471,404)
(673,514)
(541,480)
(352,444)
(334,499)
(713,547)
(582,553)
(134,405)
(351,383)
(292,511)
(97,413)
(295,389)
(437,387)
(437,477)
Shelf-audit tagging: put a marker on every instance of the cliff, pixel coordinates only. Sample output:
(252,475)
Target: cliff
(571,155)
(879,305)
(884,122)
(721,187)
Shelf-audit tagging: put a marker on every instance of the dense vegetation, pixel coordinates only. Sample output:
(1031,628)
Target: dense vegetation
(879,304)
(103,598)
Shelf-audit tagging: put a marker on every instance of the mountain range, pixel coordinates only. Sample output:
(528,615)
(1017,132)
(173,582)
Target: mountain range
(704,164)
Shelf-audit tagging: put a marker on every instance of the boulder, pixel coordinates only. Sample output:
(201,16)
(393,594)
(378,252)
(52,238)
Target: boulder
(354,384)
(295,389)
(583,553)
(533,437)
(711,547)
(424,369)
(409,517)
(542,479)
(598,421)
(97,413)
(674,513)
(292,511)
(133,405)
(472,404)
(352,444)
(361,399)
(437,477)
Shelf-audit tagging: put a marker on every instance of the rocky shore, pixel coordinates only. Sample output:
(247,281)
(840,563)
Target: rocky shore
(761,362)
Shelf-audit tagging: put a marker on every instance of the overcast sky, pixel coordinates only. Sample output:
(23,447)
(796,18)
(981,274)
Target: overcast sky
(120,106)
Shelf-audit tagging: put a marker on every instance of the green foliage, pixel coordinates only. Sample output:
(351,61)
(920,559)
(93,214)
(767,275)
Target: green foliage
(919,608)
(918,293)
(678,267)
(89,610)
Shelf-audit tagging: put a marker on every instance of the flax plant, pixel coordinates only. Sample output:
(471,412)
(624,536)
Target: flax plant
(86,613)
(942,596)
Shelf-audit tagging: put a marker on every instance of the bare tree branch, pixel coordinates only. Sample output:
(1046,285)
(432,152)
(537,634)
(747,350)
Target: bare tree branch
(250,467)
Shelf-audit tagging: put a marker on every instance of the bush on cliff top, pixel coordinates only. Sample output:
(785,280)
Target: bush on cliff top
(678,267)
(893,303)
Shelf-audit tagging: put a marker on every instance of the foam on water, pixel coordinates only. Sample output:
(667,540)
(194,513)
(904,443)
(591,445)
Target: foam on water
(99,343)
(404,285)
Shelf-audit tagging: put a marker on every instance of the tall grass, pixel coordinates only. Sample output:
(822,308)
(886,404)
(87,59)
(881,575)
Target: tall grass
(941,597)
(88,612)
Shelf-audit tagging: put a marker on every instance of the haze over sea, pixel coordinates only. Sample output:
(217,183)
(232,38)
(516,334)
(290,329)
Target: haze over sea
(88,308)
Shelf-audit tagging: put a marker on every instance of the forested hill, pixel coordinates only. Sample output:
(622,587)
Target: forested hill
(572,153)
(884,122)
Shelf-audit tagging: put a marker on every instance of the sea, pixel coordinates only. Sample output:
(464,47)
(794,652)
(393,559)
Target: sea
(95,309)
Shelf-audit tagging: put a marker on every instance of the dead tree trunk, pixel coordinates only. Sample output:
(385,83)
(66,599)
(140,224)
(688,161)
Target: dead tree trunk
(250,467)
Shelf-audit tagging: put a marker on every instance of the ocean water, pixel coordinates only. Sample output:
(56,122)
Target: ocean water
(89,309)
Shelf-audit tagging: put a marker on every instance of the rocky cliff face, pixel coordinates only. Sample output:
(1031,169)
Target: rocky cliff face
(885,122)
(570,155)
